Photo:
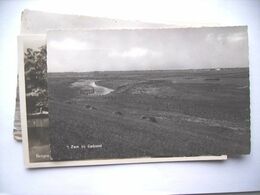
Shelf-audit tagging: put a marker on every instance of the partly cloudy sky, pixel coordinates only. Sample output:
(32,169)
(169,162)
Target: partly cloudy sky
(147,49)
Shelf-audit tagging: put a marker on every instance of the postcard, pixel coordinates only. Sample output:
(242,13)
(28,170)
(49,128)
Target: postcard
(148,93)
(32,60)
(74,115)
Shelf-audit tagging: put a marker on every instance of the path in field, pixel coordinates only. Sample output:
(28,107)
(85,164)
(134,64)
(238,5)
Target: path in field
(99,90)
(91,84)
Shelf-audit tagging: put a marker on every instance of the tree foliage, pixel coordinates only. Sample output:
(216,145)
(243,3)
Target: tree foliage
(35,62)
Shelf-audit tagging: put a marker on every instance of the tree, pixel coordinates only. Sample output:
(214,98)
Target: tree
(35,64)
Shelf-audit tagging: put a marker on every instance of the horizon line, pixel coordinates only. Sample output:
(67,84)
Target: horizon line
(149,70)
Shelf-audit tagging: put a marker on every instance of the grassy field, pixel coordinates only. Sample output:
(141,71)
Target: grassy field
(150,113)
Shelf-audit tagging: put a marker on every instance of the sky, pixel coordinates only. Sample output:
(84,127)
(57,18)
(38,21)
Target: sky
(32,41)
(147,49)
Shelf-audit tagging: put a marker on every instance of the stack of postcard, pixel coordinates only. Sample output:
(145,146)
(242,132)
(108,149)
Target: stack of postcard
(103,91)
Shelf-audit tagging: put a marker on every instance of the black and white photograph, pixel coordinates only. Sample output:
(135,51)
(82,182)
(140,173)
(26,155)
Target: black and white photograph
(156,93)
(34,94)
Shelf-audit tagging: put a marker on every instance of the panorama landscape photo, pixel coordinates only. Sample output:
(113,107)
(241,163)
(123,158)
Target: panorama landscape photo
(116,94)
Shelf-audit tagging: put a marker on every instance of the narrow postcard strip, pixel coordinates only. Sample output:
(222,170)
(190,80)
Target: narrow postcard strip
(122,161)
(37,22)
(34,97)
(17,132)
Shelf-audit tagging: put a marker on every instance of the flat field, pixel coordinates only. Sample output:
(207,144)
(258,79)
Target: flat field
(127,114)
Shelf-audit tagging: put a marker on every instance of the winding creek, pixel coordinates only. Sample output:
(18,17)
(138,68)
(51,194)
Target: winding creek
(89,85)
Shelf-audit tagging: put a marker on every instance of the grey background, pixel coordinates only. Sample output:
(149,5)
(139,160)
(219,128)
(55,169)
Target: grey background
(236,174)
